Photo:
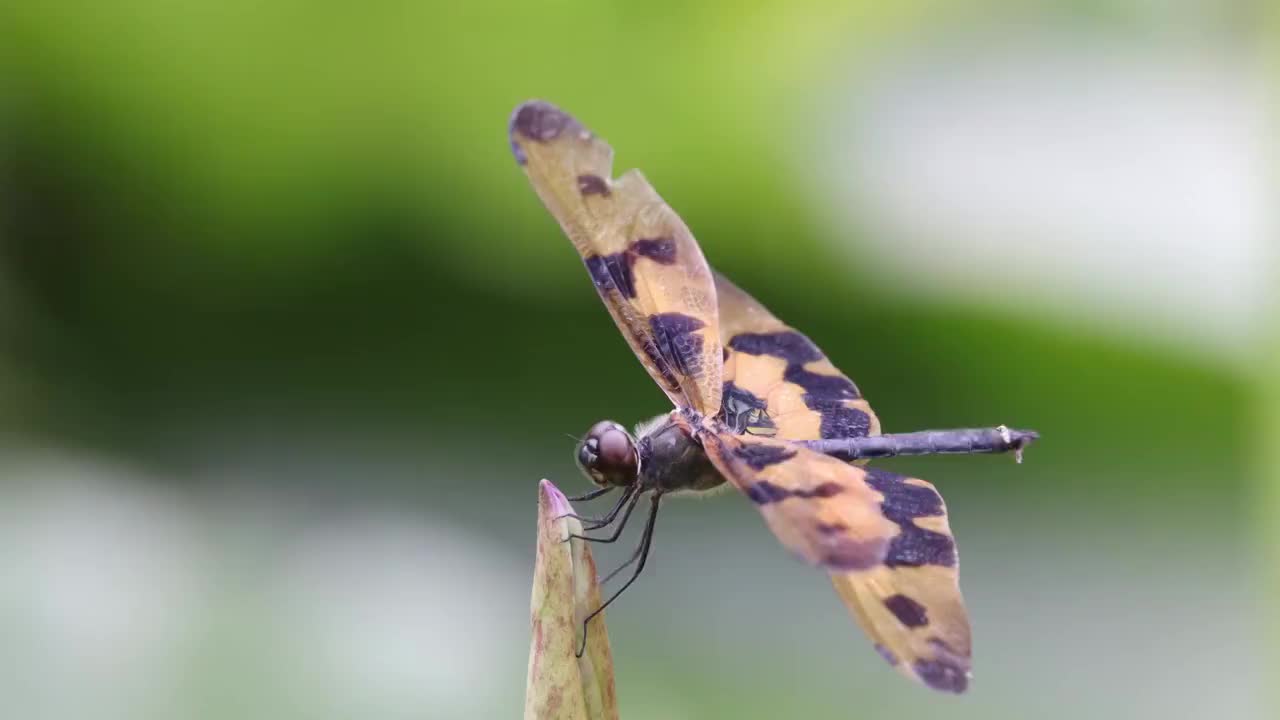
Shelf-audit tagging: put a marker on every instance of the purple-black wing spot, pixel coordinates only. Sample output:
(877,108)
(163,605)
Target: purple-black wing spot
(763,492)
(789,345)
(821,387)
(942,675)
(759,457)
(660,250)
(908,611)
(612,272)
(678,342)
(915,546)
(675,324)
(593,185)
(839,421)
(903,503)
(539,121)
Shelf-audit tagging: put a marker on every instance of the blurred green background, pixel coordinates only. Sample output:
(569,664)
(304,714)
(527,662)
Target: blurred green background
(287,342)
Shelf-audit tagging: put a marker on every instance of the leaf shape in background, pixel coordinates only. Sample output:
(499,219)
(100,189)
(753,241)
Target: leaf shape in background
(565,590)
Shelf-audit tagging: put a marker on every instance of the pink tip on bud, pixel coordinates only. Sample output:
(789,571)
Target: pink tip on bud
(556,501)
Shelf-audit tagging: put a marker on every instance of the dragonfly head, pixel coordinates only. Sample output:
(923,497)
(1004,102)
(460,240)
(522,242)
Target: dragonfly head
(608,455)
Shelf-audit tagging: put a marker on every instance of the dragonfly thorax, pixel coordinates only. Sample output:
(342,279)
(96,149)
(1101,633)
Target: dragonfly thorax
(671,458)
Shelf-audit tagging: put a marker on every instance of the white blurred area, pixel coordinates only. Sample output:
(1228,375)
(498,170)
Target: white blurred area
(1114,186)
(128,599)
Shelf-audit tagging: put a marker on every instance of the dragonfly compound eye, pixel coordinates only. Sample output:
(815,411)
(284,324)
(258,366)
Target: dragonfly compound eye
(608,454)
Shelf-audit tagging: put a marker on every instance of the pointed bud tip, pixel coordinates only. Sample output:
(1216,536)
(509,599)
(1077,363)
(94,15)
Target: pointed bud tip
(556,502)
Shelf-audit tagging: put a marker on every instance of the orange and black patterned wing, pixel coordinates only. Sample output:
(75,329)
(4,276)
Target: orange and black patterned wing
(640,255)
(883,538)
(819,507)
(777,382)
(911,605)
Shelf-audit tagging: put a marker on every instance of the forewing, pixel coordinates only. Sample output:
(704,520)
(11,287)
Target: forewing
(883,537)
(641,257)
(777,382)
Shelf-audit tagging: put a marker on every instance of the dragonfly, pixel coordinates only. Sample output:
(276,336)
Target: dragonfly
(757,405)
